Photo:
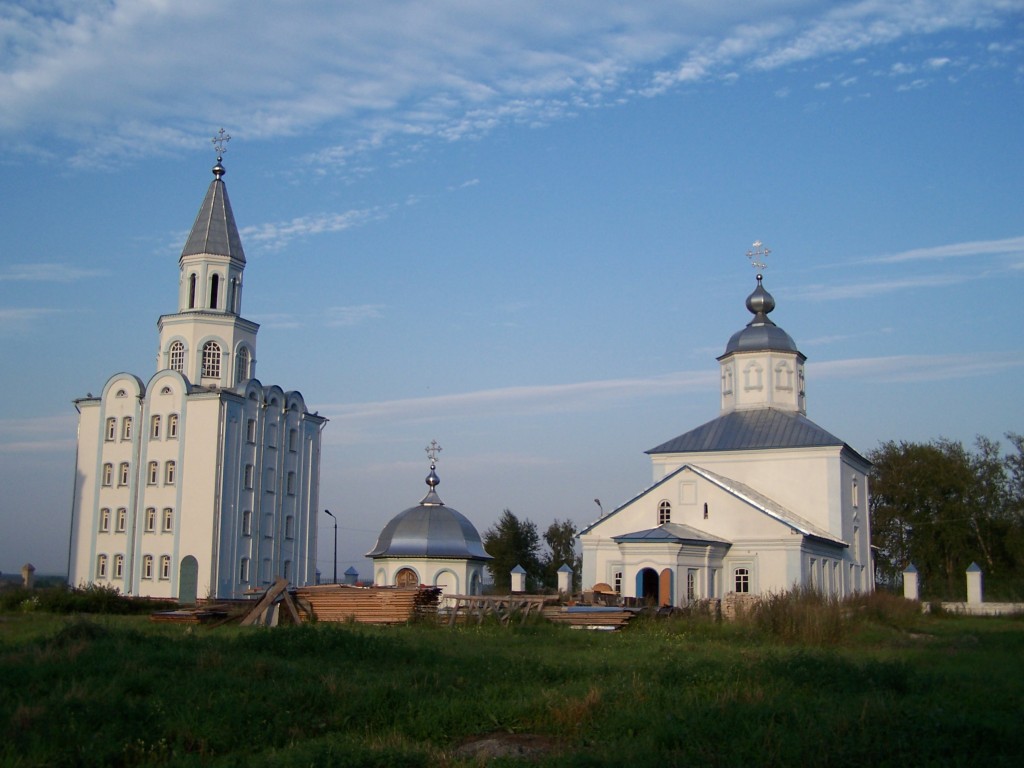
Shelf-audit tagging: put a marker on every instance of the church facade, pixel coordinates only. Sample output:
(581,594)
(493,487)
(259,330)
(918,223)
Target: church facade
(760,499)
(202,481)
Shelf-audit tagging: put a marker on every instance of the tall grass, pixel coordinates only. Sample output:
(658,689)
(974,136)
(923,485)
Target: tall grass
(118,690)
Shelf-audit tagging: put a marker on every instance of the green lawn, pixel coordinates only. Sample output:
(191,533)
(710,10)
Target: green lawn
(105,690)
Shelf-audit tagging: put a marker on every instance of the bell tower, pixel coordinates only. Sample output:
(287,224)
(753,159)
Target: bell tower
(207,340)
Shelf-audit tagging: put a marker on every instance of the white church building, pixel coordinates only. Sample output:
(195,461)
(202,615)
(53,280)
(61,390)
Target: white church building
(760,499)
(201,482)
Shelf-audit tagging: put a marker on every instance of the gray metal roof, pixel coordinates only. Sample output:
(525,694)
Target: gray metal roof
(756,429)
(214,231)
(761,333)
(429,530)
(671,532)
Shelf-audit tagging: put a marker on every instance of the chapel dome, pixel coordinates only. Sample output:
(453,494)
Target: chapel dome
(430,529)
(761,333)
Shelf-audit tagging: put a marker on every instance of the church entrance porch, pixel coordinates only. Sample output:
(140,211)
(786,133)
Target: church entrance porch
(654,588)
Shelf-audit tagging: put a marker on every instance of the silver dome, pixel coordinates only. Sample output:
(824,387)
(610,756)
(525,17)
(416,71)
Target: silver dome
(761,333)
(429,530)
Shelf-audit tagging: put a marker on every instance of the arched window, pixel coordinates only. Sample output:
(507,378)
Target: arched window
(177,356)
(122,519)
(126,428)
(242,365)
(154,428)
(192,291)
(169,473)
(153,473)
(122,474)
(118,566)
(111,429)
(168,519)
(108,474)
(172,425)
(101,567)
(150,519)
(214,290)
(104,520)
(165,566)
(211,359)
(147,567)
(664,512)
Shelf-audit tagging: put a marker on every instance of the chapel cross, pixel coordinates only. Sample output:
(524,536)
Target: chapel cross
(432,450)
(220,143)
(757,253)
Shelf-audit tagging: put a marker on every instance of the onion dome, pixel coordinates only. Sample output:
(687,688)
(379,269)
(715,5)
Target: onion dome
(430,529)
(760,333)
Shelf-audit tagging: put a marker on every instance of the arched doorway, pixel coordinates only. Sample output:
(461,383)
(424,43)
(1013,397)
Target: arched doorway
(406,577)
(647,585)
(188,580)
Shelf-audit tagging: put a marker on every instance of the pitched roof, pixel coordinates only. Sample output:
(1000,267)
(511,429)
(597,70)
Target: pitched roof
(214,231)
(671,532)
(756,429)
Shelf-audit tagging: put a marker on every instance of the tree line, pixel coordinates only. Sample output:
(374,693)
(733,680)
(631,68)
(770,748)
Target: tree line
(512,542)
(941,506)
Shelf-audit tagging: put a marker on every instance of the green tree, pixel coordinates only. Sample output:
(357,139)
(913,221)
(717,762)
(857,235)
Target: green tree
(560,538)
(511,542)
(940,507)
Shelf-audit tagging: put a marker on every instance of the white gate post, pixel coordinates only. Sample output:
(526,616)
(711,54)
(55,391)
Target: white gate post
(911,590)
(974,583)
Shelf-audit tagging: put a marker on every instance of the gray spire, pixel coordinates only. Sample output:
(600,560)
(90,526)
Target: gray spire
(214,232)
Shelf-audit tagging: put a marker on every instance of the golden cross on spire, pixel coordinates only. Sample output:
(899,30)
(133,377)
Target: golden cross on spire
(220,143)
(757,253)
(432,450)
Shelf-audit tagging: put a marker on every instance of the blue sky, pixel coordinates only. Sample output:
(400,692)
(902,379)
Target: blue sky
(518,229)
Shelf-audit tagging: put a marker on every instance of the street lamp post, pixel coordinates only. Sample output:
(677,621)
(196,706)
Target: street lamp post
(328,512)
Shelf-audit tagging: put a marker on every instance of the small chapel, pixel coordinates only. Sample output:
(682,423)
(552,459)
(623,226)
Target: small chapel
(758,500)
(201,481)
(430,544)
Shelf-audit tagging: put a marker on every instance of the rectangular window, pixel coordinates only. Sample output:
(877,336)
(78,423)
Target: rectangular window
(617,582)
(104,520)
(154,428)
(172,425)
(272,435)
(108,474)
(293,440)
(122,519)
(101,567)
(152,473)
(250,430)
(126,428)
(150,520)
(742,580)
(165,567)
(122,474)
(168,520)
(291,483)
(111,429)
(289,527)
(147,567)
(243,571)
(169,473)
(268,480)
(265,575)
(247,523)
(286,569)
(118,566)
(248,476)
(268,526)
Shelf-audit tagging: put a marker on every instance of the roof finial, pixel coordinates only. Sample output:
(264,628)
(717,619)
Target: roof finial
(432,479)
(220,146)
(757,253)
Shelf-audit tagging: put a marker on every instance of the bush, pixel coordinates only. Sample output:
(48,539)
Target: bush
(93,598)
(800,615)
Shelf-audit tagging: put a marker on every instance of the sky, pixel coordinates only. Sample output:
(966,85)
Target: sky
(519,229)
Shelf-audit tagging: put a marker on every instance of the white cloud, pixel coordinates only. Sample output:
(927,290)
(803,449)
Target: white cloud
(102,80)
(48,273)
(273,236)
(345,317)
(917,368)
(20,319)
(1013,246)
(862,290)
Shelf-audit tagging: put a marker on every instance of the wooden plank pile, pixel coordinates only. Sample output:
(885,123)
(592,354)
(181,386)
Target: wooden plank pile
(590,616)
(367,605)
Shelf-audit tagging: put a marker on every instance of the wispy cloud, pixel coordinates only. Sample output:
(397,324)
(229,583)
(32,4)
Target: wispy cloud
(96,79)
(19,319)
(46,273)
(918,368)
(273,236)
(878,287)
(1010,246)
(38,435)
(345,317)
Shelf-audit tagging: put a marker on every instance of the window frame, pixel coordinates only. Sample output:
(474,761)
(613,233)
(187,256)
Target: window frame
(176,357)
(664,512)
(150,520)
(211,361)
(172,427)
(154,427)
(170,472)
(147,567)
(167,521)
(165,567)
(111,431)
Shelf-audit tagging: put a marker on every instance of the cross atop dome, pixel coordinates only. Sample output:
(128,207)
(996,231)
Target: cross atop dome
(757,253)
(432,450)
(220,146)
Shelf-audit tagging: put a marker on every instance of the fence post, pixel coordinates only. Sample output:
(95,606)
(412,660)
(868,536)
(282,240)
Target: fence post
(911,589)
(974,584)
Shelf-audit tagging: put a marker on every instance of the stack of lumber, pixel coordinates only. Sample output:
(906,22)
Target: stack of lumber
(188,616)
(589,616)
(367,605)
